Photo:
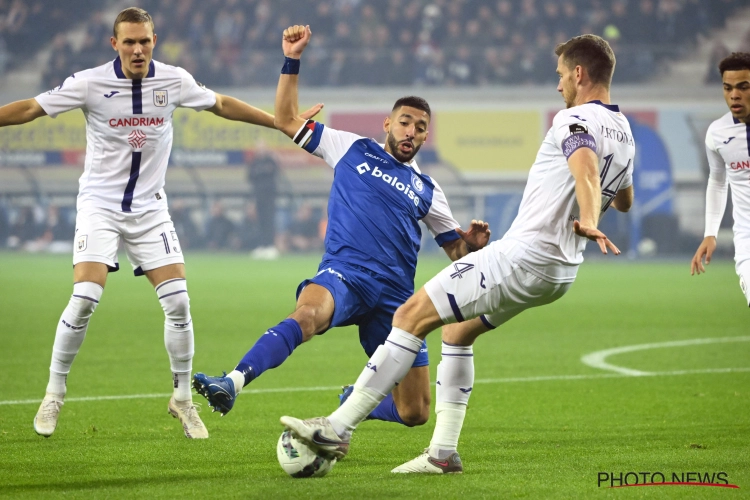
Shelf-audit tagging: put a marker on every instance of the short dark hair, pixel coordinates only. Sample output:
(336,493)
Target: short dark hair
(593,53)
(736,61)
(132,15)
(413,102)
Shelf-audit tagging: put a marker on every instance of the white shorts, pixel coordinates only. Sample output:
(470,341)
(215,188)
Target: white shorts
(149,238)
(488,285)
(743,271)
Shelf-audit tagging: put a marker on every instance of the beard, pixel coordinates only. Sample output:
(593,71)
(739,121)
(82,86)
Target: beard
(397,153)
(570,99)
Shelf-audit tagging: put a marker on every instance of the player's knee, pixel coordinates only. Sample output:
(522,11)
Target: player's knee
(310,320)
(414,414)
(417,315)
(401,318)
(177,306)
(85,298)
(459,333)
(174,300)
(82,307)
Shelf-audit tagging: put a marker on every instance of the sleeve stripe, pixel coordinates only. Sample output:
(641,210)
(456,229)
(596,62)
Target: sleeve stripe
(304,133)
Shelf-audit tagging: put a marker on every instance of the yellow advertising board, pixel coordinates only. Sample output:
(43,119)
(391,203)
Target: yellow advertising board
(67,131)
(192,131)
(203,131)
(473,141)
(488,141)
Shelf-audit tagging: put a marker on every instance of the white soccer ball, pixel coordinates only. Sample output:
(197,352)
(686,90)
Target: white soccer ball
(299,460)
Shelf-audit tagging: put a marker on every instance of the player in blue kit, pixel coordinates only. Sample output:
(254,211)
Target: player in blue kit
(377,199)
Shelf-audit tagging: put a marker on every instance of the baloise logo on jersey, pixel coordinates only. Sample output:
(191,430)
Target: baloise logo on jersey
(393,181)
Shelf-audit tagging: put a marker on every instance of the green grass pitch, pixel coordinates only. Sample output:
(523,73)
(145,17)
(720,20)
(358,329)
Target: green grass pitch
(541,424)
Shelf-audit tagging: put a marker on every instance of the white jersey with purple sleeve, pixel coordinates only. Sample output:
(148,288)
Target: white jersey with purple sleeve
(128,130)
(376,204)
(541,238)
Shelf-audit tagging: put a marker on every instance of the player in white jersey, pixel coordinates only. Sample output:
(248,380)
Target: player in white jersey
(128,105)
(728,151)
(583,167)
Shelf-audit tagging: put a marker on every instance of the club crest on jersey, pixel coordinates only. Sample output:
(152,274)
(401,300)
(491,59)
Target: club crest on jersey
(417,183)
(137,139)
(160,98)
(82,243)
(461,268)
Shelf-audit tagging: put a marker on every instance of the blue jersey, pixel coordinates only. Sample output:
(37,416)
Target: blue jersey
(376,204)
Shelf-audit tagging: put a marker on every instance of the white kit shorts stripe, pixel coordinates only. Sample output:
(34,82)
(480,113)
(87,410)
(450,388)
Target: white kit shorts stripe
(487,284)
(149,238)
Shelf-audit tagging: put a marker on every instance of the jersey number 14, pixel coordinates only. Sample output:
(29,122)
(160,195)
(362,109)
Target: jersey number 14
(611,183)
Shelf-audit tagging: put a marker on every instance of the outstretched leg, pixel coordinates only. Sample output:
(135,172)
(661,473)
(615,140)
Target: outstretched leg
(388,365)
(312,315)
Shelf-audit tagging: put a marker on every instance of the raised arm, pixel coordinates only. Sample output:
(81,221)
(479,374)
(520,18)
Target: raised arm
(20,112)
(583,164)
(294,41)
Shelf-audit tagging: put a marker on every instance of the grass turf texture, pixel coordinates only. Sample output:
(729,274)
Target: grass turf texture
(529,439)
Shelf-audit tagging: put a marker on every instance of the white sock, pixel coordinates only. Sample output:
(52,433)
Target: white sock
(238,378)
(387,367)
(178,334)
(455,379)
(71,330)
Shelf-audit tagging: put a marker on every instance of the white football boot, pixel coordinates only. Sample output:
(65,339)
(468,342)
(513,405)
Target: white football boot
(45,421)
(187,412)
(425,464)
(318,434)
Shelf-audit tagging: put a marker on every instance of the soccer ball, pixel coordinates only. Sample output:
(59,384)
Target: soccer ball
(299,460)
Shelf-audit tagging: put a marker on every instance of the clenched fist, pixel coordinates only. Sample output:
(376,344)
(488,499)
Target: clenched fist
(295,39)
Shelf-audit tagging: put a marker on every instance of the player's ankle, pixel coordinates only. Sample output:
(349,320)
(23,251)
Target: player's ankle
(440,453)
(57,384)
(339,428)
(238,378)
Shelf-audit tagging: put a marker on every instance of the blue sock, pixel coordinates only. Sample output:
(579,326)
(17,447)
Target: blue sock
(386,411)
(271,349)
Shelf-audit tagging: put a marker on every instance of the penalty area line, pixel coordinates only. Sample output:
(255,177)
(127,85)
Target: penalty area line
(509,380)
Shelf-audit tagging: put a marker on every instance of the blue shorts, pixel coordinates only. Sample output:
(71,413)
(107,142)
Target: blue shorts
(362,298)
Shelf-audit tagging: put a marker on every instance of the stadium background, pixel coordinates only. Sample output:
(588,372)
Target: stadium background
(486,67)
(541,424)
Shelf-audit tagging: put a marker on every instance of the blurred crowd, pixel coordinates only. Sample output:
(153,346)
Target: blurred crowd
(26,26)
(210,225)
(386,42)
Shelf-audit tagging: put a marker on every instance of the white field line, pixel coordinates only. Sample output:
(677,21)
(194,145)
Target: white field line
(510,380)
(597,359)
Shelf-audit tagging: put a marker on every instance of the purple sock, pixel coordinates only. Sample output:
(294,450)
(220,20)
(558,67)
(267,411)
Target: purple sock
(271,349)
(386,411)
